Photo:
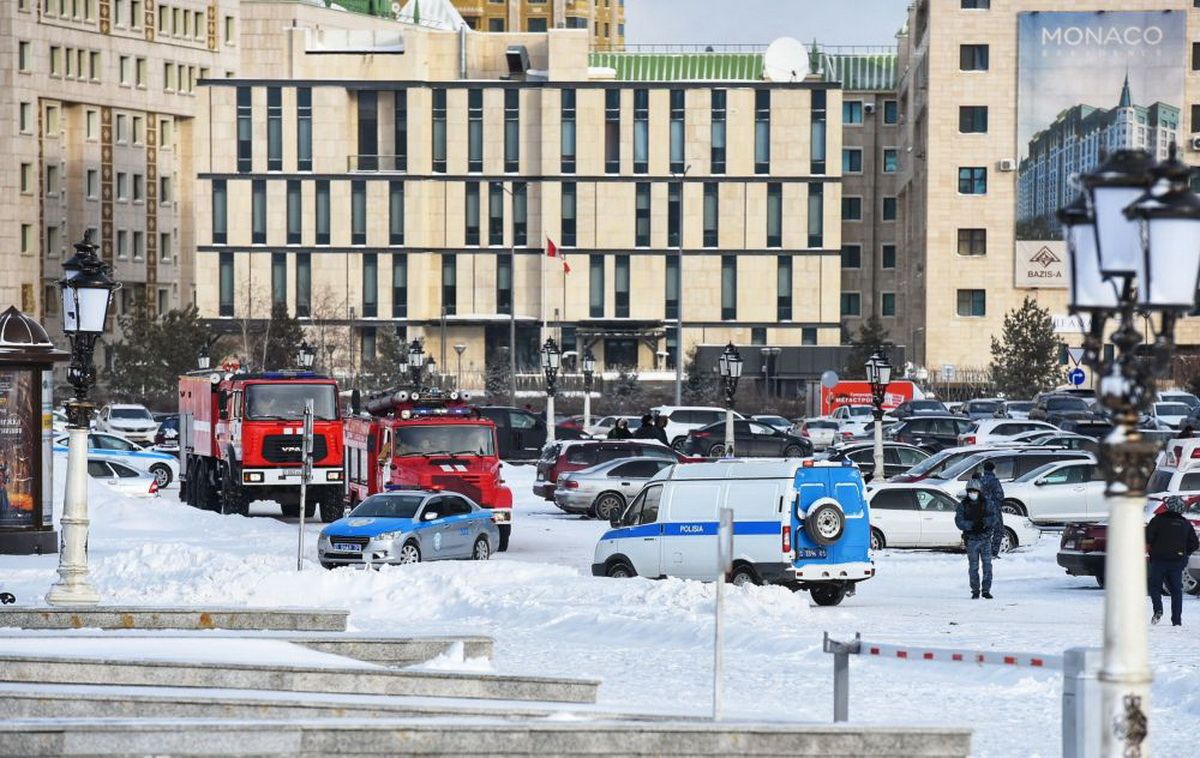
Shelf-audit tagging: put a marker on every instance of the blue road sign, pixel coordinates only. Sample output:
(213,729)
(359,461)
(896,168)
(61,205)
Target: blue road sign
(1075,376)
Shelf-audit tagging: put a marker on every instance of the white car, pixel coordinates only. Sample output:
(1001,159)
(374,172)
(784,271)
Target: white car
(1018,409)
(822,432)
(1178,396)
(1058,492)
(917,515)
(132,421)
(600,429)
(852,419)
(1169,416)
(682,419)
(991,430)
(778,423)
(124,479)
(164,466)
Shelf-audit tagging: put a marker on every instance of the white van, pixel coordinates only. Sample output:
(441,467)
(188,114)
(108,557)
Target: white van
(804,524)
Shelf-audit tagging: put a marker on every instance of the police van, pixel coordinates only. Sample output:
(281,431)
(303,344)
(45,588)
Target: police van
(800,523)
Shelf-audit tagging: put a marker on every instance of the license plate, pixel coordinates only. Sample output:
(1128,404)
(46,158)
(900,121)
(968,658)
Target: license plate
(347,547)
(812,552)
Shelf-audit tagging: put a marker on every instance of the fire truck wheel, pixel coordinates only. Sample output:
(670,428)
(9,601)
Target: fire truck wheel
(233,498)
(482,551)
(331,509)
(505,530)
(310,508)
(290,511)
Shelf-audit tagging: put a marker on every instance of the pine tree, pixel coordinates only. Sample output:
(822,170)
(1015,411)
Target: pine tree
(147,362)
(699,386)
(284,335)
(1025,360)
(389,367)
(871,337)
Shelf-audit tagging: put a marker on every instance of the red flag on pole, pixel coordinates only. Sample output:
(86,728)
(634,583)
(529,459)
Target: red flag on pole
(552,251)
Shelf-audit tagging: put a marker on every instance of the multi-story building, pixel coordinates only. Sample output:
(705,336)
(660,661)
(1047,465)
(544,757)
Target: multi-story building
(100,98)
(1001,103)
(604,19)
(388,178)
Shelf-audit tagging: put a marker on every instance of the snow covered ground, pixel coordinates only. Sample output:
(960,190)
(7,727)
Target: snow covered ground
(650,642)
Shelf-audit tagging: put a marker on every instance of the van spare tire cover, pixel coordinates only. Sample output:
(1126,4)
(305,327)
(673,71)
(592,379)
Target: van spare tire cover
(825,524)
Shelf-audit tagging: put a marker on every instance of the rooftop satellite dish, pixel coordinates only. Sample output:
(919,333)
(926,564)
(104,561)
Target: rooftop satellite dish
(786,60)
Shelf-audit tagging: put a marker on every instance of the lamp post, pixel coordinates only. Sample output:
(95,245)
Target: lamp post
(550,363)
(1133,244)
(679,353)
(203,359)
(459,348)
(589,371)
(879,375)
(416,363)
(730,365)
(86,296)
(305,355)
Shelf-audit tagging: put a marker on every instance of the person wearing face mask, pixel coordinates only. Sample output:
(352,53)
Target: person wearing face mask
(977,517)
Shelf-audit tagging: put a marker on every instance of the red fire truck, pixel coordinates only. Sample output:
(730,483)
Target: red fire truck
(428,440)
(240,441)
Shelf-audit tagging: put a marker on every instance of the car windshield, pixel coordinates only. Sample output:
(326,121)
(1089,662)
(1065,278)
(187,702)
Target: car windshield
(286,401)
(1170,409)
(1020,406)
(388,506)
(932,463)
(926,405)
(773,420)
(956,470)
(983,407)
(451,439)
(1066,404)
(821,425)
(130,414)
(859,410)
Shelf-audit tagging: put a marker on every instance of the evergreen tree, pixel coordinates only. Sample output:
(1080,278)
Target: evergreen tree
(277,348)
(871,337)
(497,379)
(1025,360)
(147,362)
(699,386)
(625,391)
(389,367)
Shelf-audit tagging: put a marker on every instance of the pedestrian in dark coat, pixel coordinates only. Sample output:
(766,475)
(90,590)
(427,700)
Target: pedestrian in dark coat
(660,430)
(620,430)
(1170,539)
(993,492)
(976,520)
(646,430)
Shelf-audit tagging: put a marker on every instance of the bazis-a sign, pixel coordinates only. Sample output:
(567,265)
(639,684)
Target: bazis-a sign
(1040,264)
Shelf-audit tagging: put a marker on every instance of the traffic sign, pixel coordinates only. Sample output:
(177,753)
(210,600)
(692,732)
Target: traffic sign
(1076,354)
(1075,376)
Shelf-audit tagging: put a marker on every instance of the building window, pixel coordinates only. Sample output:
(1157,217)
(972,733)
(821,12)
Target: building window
(139,72)
(612,131)
(495,213)
(978,5)
(888,256)
(889,209)
(274,129)
(122,188)
(472,214)
(973,119)
(304,128)
(775,214)
(439,131)
(972,241)
(92,184)
(621,286)
(717,157)
(851,256)
(27,177)
(139,188)
(370,285)
(674,214)
(122,244)
(358,212)
(25,56)
(368,130)
(92,124)
(139,245)
(728,287)
(712,214)
(367,342)
(641,236)
(124,70)
(887,304)
(520,203)
(322,193)
(672,287)
(51,180)
(52,126)
(851,304)
(762,131)
(53,241)
(972,180)
(303,285)
(818,127)
(808,335)
(258,211)
(972,302)
(139,130)
(245,130)
(568,214)
(537,25)
(26,239)
(25,117)
(475,130)
(891,160)
(279,279)
(395,213)
(816,215)
(512,130)
(230,31)
(568,131)
(677,131)
(973,57)
(641,131)
(399,285)
(226,284)
(495,24)
(295,212)
(400,129)
(449,284)
(851,160)
(596,286)
(504,283)
(220,222)
(852,112)
(852,209)
(56,60)
(891,112)
(783,288)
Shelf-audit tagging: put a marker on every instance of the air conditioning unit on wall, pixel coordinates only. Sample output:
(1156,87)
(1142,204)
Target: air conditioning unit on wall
(1195,142)
(1008,164)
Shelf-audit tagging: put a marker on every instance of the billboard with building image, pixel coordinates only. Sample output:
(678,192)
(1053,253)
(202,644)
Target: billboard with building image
(1089,83)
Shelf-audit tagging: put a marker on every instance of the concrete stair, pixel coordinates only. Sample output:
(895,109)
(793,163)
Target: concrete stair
(142,617)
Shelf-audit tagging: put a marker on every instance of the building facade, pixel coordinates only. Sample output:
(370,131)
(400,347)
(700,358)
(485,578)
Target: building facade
(101,98)
(417,191)
(604,19)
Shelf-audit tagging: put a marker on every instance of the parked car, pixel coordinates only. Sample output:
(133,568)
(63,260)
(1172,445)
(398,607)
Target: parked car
(167,437)
(852,418)
(130,420)
(1178,396)
(1179,470)
(164,466)
(58,421)
(409,527)
(915,407)
(822,432)
(932,432)
(1057,407)
(572,455)
(1018,409)
(993,430)
(124,479)
(750,438)
(1069,442)
(934,465)
(916,515)
(601,428)
(897,457)
(603,490)
(520,433)
(1096,427)
(683,419)
(1010,465)
(779,423)
(989,408)
(1169,416)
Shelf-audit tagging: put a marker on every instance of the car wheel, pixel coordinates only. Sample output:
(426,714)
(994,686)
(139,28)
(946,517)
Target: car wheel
(482,551)
(825,524)
(410,553)
(793,451)
(162,474)
(620,570)
(828,594)
(608,505)
(717,451)
(743,575)
(1191,585)
(877,540)
(1008,541)
(677,444)
(1013,507)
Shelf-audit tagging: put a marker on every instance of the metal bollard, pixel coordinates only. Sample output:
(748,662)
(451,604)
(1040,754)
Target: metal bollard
(841,673)
(1081,705)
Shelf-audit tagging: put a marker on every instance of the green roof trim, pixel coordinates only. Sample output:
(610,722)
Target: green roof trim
(860,73)
(675,67)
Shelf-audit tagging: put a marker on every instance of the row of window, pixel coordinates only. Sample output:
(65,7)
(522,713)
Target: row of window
(128,244)
(130,129)
(968,304)
(852,160)
(129,187)
(852,208)
(852,256)
(853,111)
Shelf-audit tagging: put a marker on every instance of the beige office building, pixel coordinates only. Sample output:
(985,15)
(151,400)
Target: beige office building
(99,98)
(1001,102)
(604,19)
(390,178)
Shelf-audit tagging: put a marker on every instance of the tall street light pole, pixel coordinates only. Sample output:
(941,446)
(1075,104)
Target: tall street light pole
(416,363)
(589,371)
(550,363)
(879,375)
(1133,246)
(459,348)
(679,352)
(730,364)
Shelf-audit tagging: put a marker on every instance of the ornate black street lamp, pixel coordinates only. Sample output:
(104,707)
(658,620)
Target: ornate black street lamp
(416,363)
(879,375)
(589,373)
(203,359)
(551,359)
(730,365)
(305,355)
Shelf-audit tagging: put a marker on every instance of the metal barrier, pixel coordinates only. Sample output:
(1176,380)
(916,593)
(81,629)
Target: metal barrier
(1081,688)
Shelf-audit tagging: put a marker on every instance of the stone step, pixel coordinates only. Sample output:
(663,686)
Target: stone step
(140,617)
(426,738)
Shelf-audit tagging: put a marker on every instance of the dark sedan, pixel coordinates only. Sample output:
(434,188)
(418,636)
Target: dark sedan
(918,407)
(751,439)
(976,409)
(897,457)
(931,432)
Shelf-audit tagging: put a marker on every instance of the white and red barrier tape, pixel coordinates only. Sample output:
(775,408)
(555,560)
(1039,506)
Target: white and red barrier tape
(1031,660)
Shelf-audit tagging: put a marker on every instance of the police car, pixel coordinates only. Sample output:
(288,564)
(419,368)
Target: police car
(410,526)
(164,466)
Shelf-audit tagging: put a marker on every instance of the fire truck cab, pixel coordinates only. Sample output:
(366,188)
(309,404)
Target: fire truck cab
(240,441)
(426,440)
